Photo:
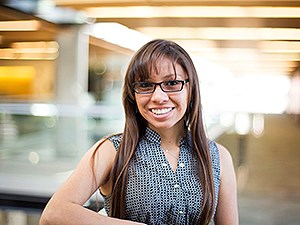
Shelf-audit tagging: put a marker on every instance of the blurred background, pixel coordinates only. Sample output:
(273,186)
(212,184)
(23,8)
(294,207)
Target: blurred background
(62,63)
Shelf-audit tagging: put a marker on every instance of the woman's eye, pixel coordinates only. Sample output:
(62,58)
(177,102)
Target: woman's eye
(171,82)
(146,85)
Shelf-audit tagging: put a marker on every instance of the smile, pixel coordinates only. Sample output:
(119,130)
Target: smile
(161,111)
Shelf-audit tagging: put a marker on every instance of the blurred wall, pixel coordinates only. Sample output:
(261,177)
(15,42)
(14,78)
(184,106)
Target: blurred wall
(270,163)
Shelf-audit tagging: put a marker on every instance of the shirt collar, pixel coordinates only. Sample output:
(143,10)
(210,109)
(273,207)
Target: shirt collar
(152,136)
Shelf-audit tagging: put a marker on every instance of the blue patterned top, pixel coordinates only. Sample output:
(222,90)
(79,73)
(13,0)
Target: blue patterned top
(158,195)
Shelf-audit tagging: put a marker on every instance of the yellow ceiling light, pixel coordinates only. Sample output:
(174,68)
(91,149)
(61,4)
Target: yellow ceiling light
(118,34)
(31,51)
(7,53)
(36,47)
(36,44)
(280,46)
(194,46)
(221,33)
(192,11)
(258,64)
(21,25)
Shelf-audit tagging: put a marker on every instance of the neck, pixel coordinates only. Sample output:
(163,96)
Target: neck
(171,136)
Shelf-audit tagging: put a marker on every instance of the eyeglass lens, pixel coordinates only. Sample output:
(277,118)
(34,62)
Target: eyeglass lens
(166,86)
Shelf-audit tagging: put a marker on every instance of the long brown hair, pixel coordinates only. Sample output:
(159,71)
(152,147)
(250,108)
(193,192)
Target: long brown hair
(140,67)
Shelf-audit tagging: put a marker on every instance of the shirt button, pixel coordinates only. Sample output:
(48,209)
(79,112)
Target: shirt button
(181,165)
(181,212)
(164,164)
(176,186)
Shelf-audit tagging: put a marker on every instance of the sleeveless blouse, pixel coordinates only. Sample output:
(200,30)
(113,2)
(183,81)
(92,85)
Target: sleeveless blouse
(158,195)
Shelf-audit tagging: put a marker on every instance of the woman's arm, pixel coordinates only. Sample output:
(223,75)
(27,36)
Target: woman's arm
(66,205)
(227,210)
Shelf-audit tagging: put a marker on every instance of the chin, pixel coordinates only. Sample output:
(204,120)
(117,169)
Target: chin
(167,125)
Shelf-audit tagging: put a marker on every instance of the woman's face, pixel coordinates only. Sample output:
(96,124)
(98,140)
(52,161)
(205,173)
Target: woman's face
(164,110)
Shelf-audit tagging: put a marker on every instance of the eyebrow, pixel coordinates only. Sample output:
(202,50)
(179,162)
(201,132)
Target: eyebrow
(171,76)
(167,77)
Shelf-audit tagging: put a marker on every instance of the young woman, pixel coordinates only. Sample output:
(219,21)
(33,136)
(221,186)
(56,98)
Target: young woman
(162,169)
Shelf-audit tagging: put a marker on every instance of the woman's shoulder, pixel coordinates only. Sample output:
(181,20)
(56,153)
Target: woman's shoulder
(218,148)
(225,156)
(214,154)
(223,151)
(115,139)
(213,148)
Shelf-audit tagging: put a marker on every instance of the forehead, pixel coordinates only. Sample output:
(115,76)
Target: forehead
(165,68)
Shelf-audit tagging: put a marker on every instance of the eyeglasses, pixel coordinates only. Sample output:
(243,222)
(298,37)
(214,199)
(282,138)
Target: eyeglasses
(166,86)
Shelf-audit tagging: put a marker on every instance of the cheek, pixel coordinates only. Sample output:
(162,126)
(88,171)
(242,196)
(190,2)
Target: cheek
(186,100)
(181,102)
(140,101)
(186,104)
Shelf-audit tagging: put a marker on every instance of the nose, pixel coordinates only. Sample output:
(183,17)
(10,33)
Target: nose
(159,95)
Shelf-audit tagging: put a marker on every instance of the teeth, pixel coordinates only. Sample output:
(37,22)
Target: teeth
(161,111)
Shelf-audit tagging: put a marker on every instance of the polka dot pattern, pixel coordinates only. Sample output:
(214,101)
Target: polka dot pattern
(158,195)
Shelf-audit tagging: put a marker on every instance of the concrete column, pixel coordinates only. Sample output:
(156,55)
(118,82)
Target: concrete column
(71,91)
(16,217)
(72,65)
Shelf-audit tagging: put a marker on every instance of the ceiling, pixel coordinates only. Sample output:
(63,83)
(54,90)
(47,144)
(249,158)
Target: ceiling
(245,37)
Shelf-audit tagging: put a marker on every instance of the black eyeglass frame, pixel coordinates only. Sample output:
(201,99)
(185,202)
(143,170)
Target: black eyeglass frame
(183,82)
